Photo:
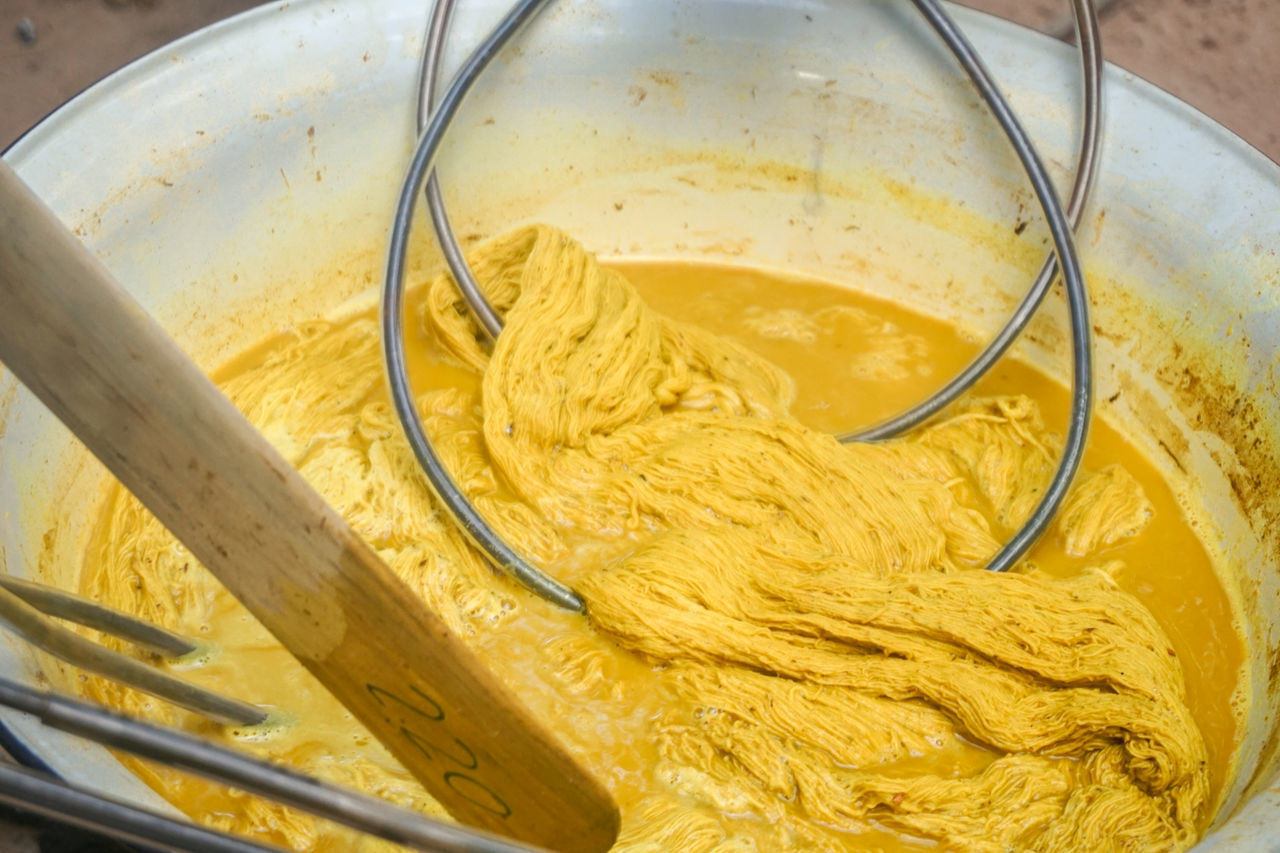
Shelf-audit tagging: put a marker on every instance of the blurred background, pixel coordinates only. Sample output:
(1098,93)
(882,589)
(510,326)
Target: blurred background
(1218,55)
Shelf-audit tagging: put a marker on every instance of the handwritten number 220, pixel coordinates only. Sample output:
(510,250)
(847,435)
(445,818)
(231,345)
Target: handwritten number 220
(469,788)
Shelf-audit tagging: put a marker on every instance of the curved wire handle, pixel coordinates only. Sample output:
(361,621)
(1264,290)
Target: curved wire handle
(486,315)
(1086,21)
(472,524)
(469,520)
(1072,276)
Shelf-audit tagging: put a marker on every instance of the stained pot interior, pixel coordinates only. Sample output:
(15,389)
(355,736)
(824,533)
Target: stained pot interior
(241,180)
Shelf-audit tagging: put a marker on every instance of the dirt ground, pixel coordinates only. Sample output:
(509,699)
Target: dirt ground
(1218,55)
(52,49)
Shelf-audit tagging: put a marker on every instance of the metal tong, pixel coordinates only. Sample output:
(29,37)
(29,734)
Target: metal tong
(33,791)
(434,120)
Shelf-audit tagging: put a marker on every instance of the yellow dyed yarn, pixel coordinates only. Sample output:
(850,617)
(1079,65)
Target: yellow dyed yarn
(793,584)
(812,616)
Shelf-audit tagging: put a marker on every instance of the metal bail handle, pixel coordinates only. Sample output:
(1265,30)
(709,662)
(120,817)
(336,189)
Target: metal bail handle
(434,124)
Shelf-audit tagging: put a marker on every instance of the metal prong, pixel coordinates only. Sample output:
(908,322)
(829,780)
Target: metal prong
(35,792)
(82,611)
(37,629)
(239,770)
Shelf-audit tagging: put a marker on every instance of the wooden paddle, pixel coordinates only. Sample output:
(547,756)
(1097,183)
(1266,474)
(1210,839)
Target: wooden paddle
(111,374)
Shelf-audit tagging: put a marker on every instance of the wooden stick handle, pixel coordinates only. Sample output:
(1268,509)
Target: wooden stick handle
(111,374)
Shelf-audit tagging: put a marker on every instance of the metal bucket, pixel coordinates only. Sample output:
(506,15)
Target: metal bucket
(242,179)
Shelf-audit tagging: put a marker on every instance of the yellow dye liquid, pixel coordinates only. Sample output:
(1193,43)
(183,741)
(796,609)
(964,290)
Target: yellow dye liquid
(1166,567)
(840,386)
